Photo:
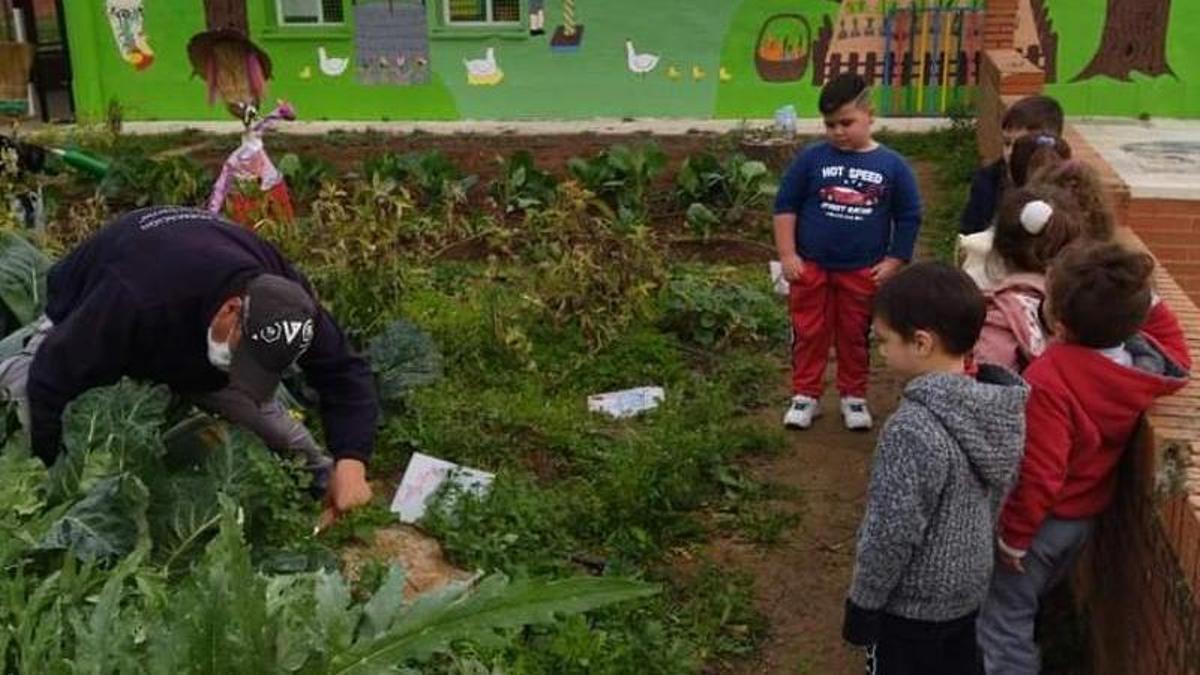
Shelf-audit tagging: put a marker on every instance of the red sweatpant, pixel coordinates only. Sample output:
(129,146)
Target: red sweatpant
(831,307)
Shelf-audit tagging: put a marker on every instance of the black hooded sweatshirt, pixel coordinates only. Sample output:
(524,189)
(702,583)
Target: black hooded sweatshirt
(137,299)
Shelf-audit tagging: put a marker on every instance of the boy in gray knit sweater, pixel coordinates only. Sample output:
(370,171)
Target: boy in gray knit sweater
(943,464)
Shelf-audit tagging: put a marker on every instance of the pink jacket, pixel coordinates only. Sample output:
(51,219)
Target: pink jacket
(1013,335)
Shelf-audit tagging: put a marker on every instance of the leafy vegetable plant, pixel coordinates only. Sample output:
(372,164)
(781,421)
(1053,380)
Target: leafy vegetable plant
(720,193)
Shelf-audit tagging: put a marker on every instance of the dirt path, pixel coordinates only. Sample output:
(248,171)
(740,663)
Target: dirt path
(800,583)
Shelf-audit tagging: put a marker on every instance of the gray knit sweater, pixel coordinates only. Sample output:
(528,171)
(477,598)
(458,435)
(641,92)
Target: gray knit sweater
(943,464)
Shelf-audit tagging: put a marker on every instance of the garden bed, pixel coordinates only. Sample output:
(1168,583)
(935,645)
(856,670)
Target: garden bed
(744,531)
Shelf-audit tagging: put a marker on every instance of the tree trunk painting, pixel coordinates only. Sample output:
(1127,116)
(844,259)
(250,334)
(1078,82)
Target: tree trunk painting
(227,15)
(1135,40)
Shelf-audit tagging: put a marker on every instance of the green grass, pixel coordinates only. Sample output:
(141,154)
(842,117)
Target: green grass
(954,157)
(577,487)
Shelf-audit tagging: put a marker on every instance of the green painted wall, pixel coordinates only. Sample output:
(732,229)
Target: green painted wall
(1081,24)
(696,39)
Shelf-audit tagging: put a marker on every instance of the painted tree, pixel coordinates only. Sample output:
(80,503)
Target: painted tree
(1134,40)
(226,15)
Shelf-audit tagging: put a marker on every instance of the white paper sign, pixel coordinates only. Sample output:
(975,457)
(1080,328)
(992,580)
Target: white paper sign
(781,284)
(425,475)
(627,403)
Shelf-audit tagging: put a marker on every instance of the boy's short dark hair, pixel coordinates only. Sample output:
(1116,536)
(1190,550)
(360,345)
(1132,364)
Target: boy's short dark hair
(933,297)
(1101,293)
(1035,113)
(843,89)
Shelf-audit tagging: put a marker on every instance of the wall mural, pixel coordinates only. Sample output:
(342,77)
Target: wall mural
(484,71)
(782,50)
(514,59)
(127,19)
(1134,40)
(391,43)
(569,36)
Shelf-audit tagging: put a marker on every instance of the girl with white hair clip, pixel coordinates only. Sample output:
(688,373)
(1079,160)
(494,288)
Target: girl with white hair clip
(1033,226)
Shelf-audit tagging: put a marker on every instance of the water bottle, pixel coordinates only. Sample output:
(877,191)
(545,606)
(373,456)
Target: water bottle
(785,120)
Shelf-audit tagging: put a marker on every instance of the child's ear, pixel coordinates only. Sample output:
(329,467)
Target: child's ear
(924,341)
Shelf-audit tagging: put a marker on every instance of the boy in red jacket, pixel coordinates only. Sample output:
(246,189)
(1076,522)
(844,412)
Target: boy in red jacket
(1118,349)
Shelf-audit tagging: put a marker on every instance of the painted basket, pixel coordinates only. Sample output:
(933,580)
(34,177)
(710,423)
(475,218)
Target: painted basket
(784,69)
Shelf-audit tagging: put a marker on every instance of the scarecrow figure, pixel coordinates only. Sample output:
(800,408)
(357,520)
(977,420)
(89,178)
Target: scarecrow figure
(236,70)
(250,186)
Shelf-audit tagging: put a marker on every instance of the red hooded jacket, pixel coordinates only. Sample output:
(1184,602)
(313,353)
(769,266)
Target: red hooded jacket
(1082,410)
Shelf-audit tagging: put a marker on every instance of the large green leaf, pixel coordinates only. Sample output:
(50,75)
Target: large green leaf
(435,621)
(218,622)
(403,357)
(107,523)
(22,277)
(104,640)
(22,493)
(107,430)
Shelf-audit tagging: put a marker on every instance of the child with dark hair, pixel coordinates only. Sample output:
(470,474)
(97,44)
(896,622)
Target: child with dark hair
(1034,226)
(1031,115)
(1117,349)
(1082,183)
(942,465)
(846,220)
(1031,154)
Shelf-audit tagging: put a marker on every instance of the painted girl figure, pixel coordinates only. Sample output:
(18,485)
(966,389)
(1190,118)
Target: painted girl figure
(537,17)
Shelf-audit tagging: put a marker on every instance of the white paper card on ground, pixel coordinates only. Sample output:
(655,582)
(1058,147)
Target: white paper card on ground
(627,403)
(425,475)
(781,284)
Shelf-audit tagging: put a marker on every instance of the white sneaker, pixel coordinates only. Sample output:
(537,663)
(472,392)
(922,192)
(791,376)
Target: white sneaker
(801,413)
(856,414)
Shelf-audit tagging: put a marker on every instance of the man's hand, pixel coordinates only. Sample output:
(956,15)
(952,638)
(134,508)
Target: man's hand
(886,269)
(348,489)
(793,267)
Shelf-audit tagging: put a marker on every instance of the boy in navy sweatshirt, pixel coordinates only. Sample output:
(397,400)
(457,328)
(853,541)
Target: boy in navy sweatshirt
(846,220)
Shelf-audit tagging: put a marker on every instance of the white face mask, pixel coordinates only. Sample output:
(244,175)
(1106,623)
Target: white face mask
(219,354)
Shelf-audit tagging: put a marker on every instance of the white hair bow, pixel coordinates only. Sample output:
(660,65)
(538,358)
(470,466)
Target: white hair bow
(1035,215)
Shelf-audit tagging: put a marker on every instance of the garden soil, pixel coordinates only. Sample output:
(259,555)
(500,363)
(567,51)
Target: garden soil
(478,155)
(799,583)
(419,555)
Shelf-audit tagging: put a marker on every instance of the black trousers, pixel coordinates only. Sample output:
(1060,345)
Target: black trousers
(910,647)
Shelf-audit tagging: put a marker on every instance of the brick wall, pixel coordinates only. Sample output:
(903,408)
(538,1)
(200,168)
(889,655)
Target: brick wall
(1004,77)
(1138,583)
(1171,228)
(999,24)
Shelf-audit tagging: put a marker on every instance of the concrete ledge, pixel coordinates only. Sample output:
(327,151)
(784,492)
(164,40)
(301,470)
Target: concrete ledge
(1167,166)
(664,127)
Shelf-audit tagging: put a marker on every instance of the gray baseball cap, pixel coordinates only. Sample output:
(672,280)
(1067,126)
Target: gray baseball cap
(278,321)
